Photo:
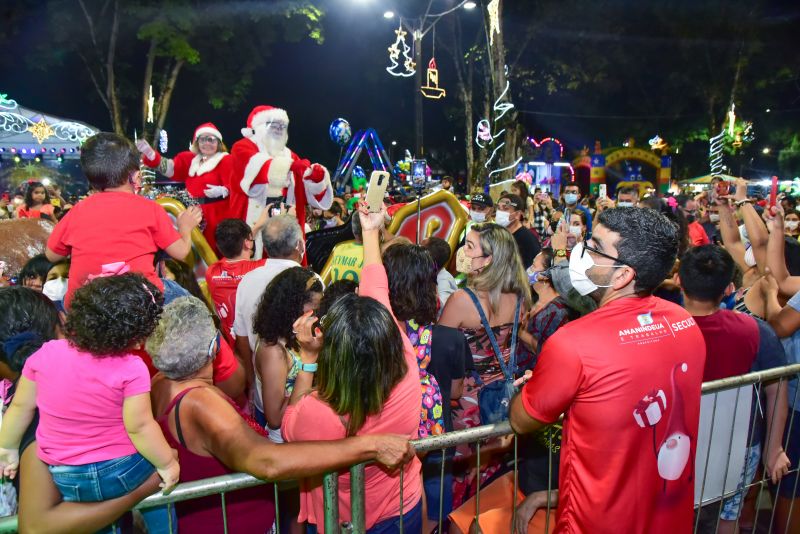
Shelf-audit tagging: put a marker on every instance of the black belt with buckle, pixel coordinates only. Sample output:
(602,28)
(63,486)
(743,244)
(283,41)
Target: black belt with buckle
(206,200)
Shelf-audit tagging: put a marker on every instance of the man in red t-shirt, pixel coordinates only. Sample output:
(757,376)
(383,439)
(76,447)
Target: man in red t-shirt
(737,343)
(627,377)
(114,230)
(235,241)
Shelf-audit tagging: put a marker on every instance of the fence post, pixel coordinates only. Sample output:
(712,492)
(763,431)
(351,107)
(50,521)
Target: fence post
(357,511)
(330,483)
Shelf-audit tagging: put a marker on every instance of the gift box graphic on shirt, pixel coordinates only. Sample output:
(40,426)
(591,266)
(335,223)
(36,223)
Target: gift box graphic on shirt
(650,409)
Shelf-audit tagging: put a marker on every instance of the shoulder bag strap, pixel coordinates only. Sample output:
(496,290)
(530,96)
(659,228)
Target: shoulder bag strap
(490,334)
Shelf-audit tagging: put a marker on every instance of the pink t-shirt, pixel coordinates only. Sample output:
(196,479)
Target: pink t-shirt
(312,419)
(80,402)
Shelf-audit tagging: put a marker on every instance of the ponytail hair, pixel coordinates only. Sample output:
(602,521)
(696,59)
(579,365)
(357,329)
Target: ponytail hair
(28,321)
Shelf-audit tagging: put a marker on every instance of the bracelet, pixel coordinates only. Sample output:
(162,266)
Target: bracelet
(742,202)
(309,367)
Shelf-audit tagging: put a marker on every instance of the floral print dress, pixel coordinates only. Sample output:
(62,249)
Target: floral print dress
(431,422)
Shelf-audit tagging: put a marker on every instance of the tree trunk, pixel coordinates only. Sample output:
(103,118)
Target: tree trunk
(111,83)
(166,97)
(147,83)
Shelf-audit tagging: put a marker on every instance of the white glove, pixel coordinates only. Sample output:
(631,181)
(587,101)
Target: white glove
(216,191)
(145,148)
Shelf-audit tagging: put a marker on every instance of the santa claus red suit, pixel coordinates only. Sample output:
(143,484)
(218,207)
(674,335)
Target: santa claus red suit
(265,171)
(206,170)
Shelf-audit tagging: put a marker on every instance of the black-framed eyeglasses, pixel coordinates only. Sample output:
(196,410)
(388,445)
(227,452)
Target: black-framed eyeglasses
(587,246)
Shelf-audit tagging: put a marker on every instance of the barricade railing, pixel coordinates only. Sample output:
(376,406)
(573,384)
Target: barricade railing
(734,405)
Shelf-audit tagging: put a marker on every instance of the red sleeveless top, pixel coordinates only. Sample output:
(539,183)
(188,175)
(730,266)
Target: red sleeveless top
(248,510)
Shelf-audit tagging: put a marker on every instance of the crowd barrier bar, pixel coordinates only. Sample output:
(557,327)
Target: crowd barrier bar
(222,485)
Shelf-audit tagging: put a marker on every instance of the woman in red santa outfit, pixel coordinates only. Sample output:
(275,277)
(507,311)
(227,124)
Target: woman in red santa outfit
(205,168)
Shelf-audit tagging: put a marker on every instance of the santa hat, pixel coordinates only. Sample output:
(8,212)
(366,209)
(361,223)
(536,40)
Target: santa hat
(207,128)
(262,115)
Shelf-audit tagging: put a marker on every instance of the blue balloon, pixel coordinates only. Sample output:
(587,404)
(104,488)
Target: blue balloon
(340,132)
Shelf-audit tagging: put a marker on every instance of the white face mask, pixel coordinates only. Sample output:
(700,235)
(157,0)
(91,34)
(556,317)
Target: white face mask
(577,231)
(477,216)
(713,217)
(502,218)
(570,198)
(791,225)
(55,289)
(624,204)
(578,267)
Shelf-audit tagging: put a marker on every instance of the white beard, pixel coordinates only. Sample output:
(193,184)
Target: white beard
(275,145)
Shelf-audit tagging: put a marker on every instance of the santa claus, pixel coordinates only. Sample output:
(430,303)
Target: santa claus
(267,172)
(205,168)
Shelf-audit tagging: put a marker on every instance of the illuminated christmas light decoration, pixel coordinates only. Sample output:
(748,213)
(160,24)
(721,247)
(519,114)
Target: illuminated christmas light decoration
(163,141)
(432,89)
(484,137)
(14,122)
(731,119)
(150,105)
(538,144)
(715,147)
(657,143)
(494,20)
(41,131)
(394,55)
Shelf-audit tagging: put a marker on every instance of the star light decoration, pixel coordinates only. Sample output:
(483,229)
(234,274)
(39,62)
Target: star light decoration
(394,55)
(494,19)
(41,130)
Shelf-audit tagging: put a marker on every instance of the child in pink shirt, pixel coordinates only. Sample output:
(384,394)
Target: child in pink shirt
(96,429)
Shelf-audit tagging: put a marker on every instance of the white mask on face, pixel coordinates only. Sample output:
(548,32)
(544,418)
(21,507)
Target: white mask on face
(791,225)
(578,267)
(713,217)
(624,204)
(477,216)
(502,218)
(577,231)
(55,289)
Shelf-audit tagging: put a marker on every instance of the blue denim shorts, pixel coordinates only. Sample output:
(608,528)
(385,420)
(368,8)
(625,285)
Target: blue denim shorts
(732,506)
(101,481)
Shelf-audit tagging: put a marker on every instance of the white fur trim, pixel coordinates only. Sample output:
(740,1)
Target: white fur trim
(313,189)
(252,169)
(248,132)
(275,114)
(207,130)
(198,167)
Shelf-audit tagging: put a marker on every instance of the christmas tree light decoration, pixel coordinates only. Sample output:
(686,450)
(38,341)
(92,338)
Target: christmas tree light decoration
(394,55)
(41,131)
(163,141)
(494,20)
(432,89)
(150,105)
(731,119)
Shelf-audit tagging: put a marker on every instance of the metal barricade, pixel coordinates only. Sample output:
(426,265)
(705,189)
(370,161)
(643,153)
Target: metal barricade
(725,402)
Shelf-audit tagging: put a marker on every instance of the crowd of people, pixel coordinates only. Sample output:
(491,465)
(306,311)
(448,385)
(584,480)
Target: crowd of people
(128,376)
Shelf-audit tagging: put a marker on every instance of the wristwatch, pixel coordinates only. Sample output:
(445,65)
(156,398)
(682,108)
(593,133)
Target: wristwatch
(308,367)
(561,253)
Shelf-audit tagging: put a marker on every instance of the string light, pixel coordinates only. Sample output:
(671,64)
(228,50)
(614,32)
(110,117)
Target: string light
(16,123)
(150,105)
(731,119)
(494,20)
(715,146)
(484,136)
(394,55)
